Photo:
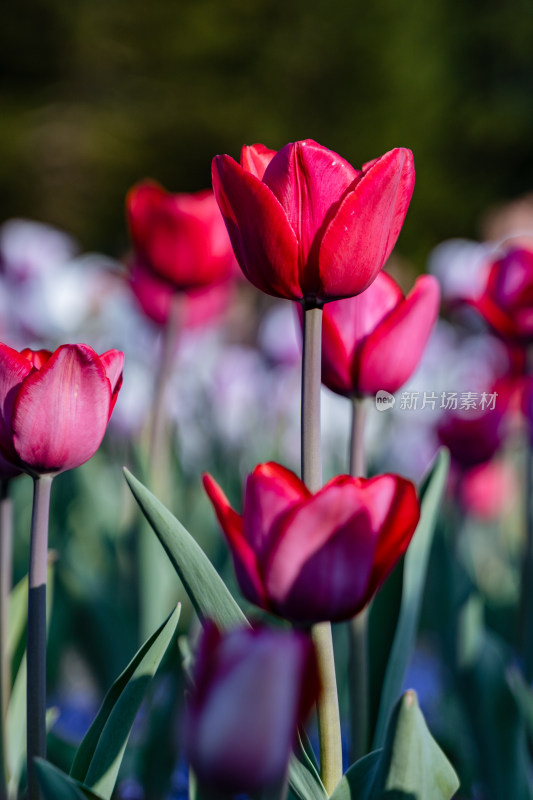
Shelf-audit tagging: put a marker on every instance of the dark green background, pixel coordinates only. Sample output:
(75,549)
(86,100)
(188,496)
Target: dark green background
(96,94)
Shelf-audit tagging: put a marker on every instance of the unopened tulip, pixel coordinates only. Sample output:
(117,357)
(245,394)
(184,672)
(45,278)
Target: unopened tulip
(316,557)
(180,237)
(305,224)
(375,340)
(252,688)
(472,436)
(506,300)
(55,407)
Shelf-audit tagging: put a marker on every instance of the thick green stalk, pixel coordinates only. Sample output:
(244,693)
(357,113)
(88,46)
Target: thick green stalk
(329,729)
(36,637)
(358,626)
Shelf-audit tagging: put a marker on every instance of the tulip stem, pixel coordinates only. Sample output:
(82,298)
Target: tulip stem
(311,384)
(358,626)
(36,637)
(158,468)
(6,559)
(329,727)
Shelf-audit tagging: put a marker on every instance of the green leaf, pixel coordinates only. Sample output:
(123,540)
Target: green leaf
(414,577)
(523,694)
(56,785)
(357,782)
(411,765)
(208,593)
(100,754)
(496,711)
(18,613)
(212,600)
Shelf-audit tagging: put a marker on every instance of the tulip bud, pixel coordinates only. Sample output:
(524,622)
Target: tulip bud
(252,688)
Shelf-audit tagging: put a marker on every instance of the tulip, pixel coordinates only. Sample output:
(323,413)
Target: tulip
(472,437)
(375,340)
(55,407)
(506,300)
(306,225)
(201,307)
(251,690)
(180,237)
(316,557)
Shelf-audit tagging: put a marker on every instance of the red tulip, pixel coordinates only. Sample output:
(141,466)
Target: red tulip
(375,340)
(55,406)
(311,558)
(472,437)
(251,690)
(180,237)
(306,225)
(506,301)
(155,297)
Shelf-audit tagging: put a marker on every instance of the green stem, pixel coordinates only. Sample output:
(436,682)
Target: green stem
(329,729)
(158,465)
(36,638)
(6,560)
(358,626)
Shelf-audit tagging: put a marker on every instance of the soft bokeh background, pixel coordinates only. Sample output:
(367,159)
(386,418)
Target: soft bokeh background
(96,94)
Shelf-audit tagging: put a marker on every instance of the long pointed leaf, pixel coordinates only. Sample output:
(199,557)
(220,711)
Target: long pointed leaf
(56,785)
(100,754)
(414,578)
(208,592)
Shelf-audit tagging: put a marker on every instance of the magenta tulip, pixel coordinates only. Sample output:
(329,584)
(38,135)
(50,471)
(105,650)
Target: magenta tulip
(55,406)
(180,237)
(200,307)
(306,225)
(506,301)
(375,340)
(251,689)
(316,557)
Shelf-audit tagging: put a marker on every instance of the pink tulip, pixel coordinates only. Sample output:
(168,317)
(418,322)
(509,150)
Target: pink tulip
(311,558)
(306,225)
(506,300)
(251,690)
(55,406)
(155,297)
(180,237)
(375,340)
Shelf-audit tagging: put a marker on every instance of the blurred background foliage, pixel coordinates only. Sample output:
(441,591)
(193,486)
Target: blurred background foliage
(97,94)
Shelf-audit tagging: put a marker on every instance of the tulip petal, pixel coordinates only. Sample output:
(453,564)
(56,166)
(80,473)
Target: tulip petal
(255,158)
(320,565)
(181,237)
(61,411)
(309,181)
(240,728)
(244,558)
(113,364)
(271,491)
(14,368)
(364,230)
(391,353)
(403,513)
(263,241)
(345,325)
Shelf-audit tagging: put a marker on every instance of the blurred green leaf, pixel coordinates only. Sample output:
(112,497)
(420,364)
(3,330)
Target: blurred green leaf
(56,785)
(208,592)
(212,601)
(523,695)
(411,766)
(16,711)
(100,754)
(414,576)
(357,782)
(496,715)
